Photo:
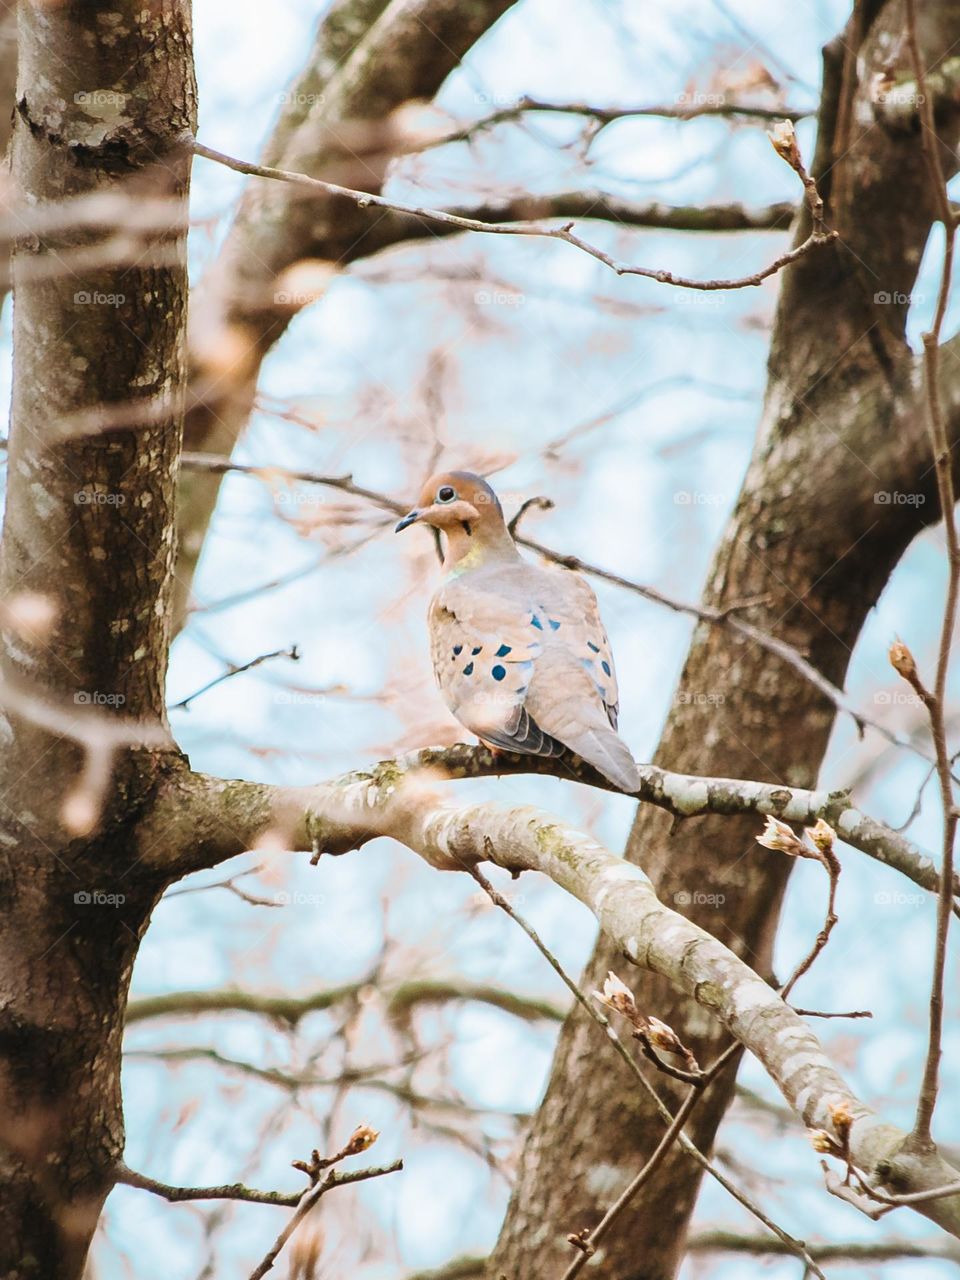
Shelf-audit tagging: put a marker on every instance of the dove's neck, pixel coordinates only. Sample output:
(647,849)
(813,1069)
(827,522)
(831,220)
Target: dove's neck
(479,548)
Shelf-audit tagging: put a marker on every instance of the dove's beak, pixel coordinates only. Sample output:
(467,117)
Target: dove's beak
(410,518)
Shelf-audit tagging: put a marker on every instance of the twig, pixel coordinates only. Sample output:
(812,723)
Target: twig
(230,884)
(777,835)
(361,1139)
(542,504)
(937,700)
(586,1242)
(912,1197)
(365,200)
(820,1013)
(795,1246)
(610,115)
(719,1241)
(291,652)
(236,1190)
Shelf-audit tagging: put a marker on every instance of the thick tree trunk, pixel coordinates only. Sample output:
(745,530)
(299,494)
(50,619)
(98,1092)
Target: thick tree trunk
(842,422)
(104,94)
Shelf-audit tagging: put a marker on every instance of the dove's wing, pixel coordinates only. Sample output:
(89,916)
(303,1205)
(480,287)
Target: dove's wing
(484,649)
(523,660)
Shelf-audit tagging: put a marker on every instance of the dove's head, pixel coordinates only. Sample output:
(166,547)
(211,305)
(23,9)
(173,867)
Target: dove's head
(464,507)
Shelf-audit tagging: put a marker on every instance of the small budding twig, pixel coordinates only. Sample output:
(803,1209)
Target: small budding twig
(361,1138)
(783,138)
(777,835)
(651,1032)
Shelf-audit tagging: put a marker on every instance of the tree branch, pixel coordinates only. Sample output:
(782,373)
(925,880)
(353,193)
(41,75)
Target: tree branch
(289,1010)
(458,222)
(237,1191)
(198,809)
(355,809)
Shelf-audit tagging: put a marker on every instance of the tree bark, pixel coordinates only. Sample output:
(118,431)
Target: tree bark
(842,422)
(89,526)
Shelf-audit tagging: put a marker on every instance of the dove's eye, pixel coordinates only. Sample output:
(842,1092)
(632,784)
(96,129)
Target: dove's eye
(446,493)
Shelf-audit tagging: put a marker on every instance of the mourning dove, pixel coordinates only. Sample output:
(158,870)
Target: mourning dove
(519,651)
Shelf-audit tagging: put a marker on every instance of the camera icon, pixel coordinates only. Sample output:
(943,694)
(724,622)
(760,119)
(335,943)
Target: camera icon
(82,898)
(82,698)
(882,298)
(682,898)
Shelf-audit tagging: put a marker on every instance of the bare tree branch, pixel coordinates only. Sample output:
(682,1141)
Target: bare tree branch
(400,999)
(358,808)
(565,233)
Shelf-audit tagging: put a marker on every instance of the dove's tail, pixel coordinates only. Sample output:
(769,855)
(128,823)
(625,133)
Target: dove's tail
(608,754)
